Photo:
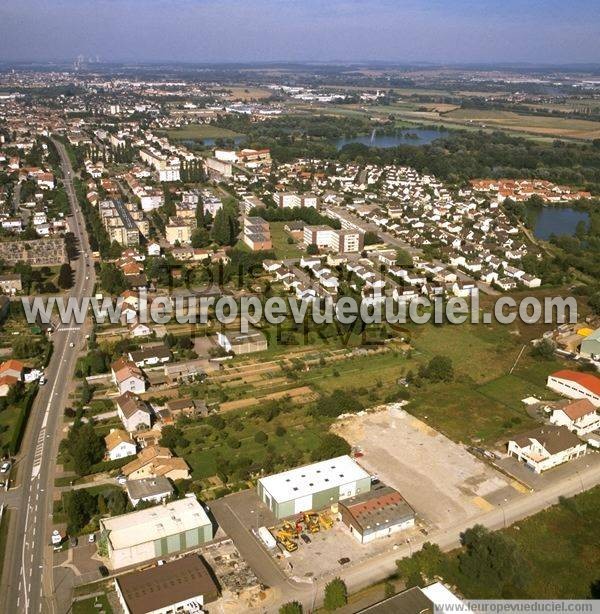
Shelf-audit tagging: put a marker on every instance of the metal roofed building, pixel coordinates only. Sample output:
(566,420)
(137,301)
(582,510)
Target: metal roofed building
(154,532)
(184,585)
(313,487)
(377,513)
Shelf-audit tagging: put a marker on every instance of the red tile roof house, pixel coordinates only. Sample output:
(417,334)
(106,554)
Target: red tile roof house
(576,385)
(128,376)
(11,372)
(580,417)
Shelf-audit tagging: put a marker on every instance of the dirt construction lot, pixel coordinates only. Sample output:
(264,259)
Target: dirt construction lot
(439,478)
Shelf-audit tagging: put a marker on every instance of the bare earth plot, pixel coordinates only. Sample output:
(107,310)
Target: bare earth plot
(440,479)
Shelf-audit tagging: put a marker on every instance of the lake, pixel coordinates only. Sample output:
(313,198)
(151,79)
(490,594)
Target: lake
(411,136)
(555,220)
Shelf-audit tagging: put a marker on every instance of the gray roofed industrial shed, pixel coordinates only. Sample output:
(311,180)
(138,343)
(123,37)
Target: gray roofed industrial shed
(160,587)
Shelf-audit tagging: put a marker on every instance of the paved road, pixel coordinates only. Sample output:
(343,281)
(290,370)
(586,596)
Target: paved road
(379,567)
(27,582)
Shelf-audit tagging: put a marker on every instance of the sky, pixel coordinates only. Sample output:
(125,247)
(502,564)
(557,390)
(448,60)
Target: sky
(440,31)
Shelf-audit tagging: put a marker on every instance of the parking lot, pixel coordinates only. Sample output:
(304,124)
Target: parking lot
(441,480)
(539,481)
(242,513)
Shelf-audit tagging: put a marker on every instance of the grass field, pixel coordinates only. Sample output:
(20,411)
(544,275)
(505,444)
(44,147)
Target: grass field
(483,403)
(560,548)
(279,238)
(93,605)
(198,132)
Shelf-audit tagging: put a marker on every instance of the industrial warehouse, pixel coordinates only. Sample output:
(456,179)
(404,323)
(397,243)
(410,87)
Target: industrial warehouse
(156,531)
(313,487)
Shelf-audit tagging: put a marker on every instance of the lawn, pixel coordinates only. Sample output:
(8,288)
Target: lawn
(281,247)
(90,606)
(199,132)
(560,548)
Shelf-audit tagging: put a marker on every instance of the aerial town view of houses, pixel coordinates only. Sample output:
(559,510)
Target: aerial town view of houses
(215,464)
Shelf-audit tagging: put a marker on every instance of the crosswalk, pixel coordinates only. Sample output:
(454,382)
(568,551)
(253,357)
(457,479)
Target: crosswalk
(39,452)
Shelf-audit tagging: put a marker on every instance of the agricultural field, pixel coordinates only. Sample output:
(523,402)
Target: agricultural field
(557,126)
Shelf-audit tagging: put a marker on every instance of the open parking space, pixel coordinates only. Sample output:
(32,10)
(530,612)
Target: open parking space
(441,480)
(539,481)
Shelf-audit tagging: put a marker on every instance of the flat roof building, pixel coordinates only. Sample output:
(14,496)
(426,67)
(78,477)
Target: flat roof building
(184,585)
(313,487)
(156,531)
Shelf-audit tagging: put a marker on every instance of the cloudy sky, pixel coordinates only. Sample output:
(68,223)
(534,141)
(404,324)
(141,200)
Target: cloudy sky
(452,31)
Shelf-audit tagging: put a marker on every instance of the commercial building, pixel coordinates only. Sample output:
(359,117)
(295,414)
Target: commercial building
(313,487)
(242,342)
(376,513)
(184,585)
(155,532)
(427,600)
(546,447)
(590,346)
(576,385)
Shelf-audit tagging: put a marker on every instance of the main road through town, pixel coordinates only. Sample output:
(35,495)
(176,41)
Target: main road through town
(27,579)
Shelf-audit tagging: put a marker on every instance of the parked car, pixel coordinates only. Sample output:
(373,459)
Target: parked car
(103,571)
(43,380)
(73,541)
(305,538)
(91,538)
(344,560)
(5,467)
(121,479)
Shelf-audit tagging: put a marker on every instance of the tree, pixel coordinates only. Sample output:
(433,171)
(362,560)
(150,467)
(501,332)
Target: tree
(292,607)
(80,506)
(84,446)
(338,402)
(492,559)
(112,279)
(331,445)
(312,249)
(336,594)
(86,392)
(544,349)
(65,276)
(261,437)
(172,437)
(371,238)
(200,237)
(438,369)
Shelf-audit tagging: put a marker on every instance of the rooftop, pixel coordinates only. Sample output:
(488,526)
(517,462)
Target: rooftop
(309,479)
(149,487)
(135,528)
(379,508)
(164,585)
